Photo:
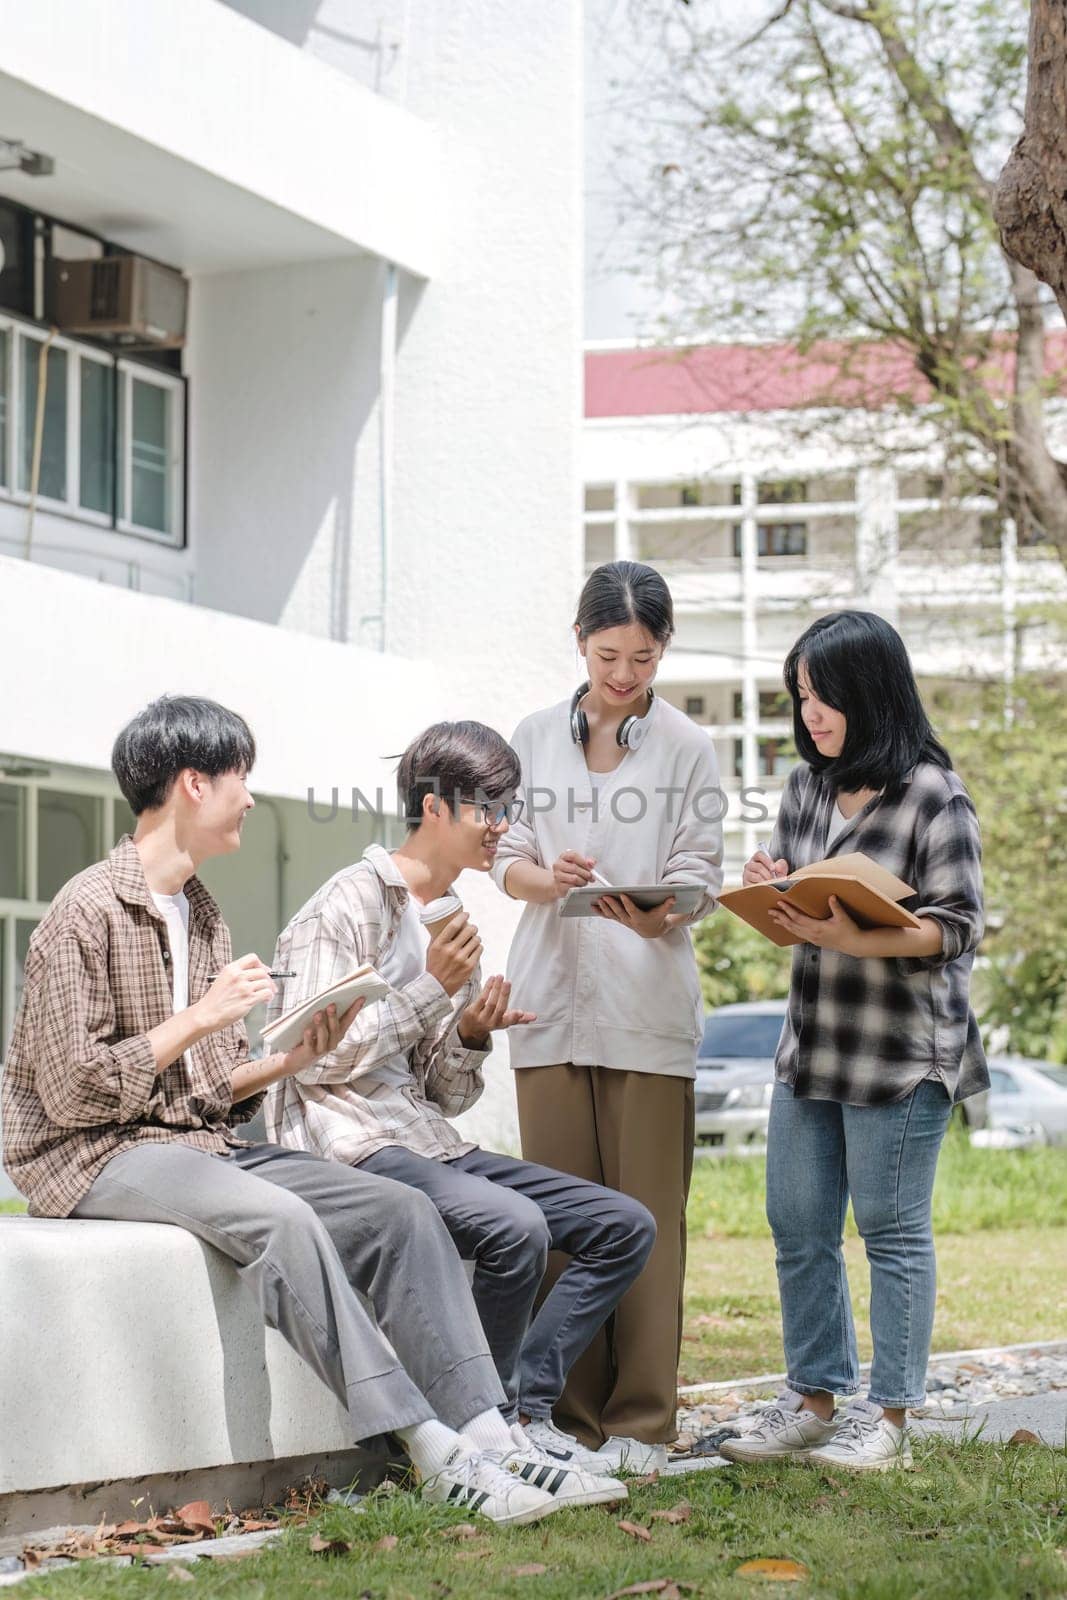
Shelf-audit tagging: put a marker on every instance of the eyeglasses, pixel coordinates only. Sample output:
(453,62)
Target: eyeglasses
(494,812)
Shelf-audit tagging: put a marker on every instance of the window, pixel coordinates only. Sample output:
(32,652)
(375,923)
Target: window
(5,387)
(753,1035)
(150,449)
(112,433)
(599,498)
(774,706)
(96,439)
(48,391)
(783,492)
(694,705)
(68,837)
(1002,1083)
(11,841)
(774,757)
(776,539)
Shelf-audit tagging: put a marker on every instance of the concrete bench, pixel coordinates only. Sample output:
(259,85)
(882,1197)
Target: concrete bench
(132,1362)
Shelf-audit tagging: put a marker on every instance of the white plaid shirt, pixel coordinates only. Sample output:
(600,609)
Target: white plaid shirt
(866,1030)
(337,1107)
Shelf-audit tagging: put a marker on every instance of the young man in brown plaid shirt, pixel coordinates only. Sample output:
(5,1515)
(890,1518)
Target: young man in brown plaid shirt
(129,1072)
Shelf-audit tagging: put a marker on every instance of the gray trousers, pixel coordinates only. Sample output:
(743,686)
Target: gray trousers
(310,1238)
(506,1215)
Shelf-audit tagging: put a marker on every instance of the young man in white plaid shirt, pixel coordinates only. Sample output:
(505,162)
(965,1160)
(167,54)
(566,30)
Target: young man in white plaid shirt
(382,1099)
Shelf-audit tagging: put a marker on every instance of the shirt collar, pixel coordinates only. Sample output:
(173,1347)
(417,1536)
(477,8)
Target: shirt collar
(130,884)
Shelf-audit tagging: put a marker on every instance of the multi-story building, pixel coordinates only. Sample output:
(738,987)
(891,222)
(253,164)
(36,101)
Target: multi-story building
(289,328)
(763,513)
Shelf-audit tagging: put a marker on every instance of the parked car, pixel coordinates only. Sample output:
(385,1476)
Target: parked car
(1025,1104)
(735,1076)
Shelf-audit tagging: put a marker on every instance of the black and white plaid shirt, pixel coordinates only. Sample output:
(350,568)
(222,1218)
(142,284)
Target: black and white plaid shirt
(866,1030)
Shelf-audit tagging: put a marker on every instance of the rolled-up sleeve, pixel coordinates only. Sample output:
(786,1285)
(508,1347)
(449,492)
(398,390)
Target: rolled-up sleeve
(520,841)
(949,884)
(83,1074)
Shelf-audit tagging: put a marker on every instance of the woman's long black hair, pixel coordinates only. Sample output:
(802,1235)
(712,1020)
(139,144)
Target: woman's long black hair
(858,664)
(620,592)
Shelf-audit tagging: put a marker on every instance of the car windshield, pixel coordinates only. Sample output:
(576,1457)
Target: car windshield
(1058,1075)
(729,1034)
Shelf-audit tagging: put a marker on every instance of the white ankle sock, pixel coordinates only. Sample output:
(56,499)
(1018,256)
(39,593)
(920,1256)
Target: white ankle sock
(488,1431)
(429,1444)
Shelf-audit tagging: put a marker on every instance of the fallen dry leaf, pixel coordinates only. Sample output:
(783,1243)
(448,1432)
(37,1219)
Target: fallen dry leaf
(636,1530)
(531,1569)
(646,1480)
(462,1530)
(176,1573)
(328,1547)
(679,1513)
(197,1514)
(668,1588)
(1024,1436)
(388,1541)
(772,1571)
(474,1552)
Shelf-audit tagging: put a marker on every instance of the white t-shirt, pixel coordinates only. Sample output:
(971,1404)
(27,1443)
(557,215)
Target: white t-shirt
(174,909)
(402,963)
(837,822)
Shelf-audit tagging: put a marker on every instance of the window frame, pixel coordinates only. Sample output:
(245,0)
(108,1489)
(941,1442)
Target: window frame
(124,368)
(127,372)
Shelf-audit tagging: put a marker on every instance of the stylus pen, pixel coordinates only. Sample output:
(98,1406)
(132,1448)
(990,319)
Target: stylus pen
(600,878)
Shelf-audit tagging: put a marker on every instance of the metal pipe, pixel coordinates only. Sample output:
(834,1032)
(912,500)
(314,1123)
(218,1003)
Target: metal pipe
(386,393)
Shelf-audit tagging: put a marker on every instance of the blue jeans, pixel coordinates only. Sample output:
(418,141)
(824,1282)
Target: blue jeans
(819,1153)
(506,1215)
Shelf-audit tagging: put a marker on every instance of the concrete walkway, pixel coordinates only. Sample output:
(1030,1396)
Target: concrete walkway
(1043,1414)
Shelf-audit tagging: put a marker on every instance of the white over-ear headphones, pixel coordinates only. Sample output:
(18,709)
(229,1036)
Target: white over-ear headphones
(630,734)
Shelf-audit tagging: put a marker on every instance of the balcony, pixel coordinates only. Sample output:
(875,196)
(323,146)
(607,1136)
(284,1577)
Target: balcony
(186,132)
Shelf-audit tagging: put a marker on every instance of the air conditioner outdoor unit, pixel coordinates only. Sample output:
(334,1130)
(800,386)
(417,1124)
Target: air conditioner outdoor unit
(124,298)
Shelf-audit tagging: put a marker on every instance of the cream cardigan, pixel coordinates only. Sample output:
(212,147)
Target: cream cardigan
(603,995)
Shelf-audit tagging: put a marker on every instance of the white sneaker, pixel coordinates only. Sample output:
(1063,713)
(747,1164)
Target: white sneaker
(563,1480)
(866,1441)
(785,1428)
(632,1456)
(474,1480)
(564,1447)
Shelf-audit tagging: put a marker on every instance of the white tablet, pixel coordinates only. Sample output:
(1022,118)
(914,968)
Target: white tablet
(687,897)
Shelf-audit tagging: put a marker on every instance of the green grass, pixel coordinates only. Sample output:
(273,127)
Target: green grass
(11,1208)
(974,1522)
(976,1190)
(1000,1222)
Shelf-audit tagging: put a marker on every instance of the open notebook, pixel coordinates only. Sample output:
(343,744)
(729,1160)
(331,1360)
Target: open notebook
(288,1030)
(867,891)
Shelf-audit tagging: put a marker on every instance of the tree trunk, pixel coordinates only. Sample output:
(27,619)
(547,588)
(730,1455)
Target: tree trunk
(1030,203)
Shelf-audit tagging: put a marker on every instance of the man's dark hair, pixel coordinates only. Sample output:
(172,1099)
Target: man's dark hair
(857,663)
(173,733)
(455,760)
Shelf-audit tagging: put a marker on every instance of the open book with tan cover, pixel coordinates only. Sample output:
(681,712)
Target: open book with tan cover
(867,891)
(288,1030)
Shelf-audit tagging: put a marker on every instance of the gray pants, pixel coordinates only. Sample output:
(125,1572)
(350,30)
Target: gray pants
(310,1237)
(507,1215)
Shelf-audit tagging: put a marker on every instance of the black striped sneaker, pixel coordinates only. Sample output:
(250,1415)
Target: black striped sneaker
(567,1483)
(475,1481)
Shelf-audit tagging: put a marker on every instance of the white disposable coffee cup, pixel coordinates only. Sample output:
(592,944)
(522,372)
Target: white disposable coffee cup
(436,916)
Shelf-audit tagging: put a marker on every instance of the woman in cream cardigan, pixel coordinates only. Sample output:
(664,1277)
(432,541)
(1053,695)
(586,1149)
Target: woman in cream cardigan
(618,780)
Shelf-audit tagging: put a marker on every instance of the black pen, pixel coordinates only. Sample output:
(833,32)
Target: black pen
(214,975)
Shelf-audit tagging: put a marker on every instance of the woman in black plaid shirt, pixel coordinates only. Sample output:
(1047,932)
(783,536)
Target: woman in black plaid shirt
(878,1043)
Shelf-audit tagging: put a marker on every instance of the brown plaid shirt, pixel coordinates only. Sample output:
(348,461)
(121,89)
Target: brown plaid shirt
(81,1082)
